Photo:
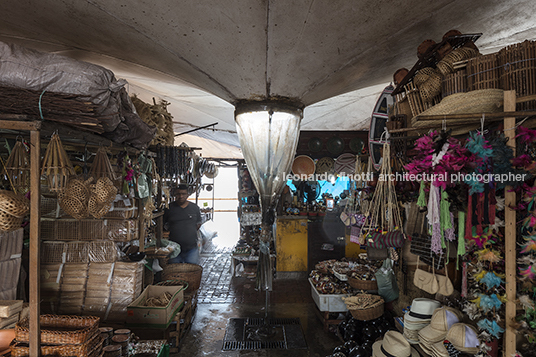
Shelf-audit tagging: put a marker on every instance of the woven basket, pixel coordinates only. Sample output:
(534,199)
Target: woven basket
(190,273)
(78,188)
(173,283)
(362,284)
(365,307)
(423,75)
(15,205)
(9,223)
(82,350)
(431,88)
(60,329)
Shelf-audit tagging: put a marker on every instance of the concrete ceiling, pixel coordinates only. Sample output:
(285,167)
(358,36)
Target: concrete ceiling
(335,56)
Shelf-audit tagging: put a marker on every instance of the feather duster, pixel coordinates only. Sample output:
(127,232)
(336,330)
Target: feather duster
(502,162)
(526,260)
(472,311)
(480,275)
(491,327)
(529,245)
(491,302)
(523,161)
(500,203)
(526,135)
(491,280)
(528,272)
(477,301)
(489,255)
(526,302)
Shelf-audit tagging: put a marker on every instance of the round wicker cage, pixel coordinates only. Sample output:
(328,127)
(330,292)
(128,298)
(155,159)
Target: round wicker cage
(8,222)
(14,204)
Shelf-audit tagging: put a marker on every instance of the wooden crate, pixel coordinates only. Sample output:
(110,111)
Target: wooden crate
(483,72)
(518,72)
(182,322)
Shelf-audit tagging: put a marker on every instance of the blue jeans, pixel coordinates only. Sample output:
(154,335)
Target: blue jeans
(191,256)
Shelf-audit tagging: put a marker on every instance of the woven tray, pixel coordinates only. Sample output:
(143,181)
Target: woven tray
(92,347)
(60,329)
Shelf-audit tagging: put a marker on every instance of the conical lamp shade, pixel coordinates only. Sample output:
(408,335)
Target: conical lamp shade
(268,134)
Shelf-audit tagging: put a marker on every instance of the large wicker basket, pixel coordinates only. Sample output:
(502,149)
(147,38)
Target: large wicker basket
(190,273)
(89,348)
(365,307)
(362,284)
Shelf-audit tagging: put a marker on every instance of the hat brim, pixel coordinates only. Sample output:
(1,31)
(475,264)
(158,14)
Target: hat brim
(377,351)
(431,335)
(439,349)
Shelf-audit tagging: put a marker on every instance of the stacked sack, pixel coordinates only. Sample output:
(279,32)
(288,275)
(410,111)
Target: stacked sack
(418,317)
(432,336)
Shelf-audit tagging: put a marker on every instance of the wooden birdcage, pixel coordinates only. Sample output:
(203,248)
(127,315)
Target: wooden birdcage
(101,166)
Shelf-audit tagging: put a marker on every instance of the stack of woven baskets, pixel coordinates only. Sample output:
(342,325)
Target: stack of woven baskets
(61,335)
(13,209)
(81,198)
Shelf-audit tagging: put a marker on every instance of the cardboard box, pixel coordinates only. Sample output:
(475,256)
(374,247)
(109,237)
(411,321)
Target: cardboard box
(328,302)
(139,315)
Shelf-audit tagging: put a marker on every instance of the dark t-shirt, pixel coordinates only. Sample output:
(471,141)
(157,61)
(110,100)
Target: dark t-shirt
(182,224)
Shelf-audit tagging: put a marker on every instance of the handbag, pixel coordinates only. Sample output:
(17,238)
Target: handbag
(445,285)
(388,240)
(425,281)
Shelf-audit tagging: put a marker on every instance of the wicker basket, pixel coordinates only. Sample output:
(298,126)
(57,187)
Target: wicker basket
(81,350)
(173,283)
(362,284)
(483,72)
(190,273)
(14,204)
(365,307)
(60,329)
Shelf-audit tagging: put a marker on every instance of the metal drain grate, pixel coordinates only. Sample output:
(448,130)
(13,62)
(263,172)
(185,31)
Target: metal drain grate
(281,321)
(242,334)
(253,345)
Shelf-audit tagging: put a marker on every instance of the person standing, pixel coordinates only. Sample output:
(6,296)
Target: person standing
(183,219)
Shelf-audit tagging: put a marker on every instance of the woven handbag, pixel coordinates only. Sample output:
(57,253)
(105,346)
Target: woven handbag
(388,240)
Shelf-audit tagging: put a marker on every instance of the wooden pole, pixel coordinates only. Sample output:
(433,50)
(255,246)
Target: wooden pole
(35,218)
(510,235)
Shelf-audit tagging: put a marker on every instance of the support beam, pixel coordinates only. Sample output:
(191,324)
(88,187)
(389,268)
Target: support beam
(510,234)
(35,218)
(20,125)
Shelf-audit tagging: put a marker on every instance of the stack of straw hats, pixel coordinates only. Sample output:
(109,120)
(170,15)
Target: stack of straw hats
(418,317)
(461,338)
(433,334)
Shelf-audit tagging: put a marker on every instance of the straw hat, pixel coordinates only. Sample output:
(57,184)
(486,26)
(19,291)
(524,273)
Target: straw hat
(464,338)
(393,345)
(442,319)
(421,310)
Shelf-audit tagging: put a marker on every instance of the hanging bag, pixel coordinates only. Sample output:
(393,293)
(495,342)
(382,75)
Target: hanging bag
(445,285)
(386,279)
(425,281)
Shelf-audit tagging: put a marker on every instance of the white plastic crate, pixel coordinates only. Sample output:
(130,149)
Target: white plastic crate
(328,302)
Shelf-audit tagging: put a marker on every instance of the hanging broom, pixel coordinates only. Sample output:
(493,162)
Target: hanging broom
(384,214)
(56,165)
(17,168)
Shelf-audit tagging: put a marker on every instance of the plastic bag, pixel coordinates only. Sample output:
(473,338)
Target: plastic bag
(386,279)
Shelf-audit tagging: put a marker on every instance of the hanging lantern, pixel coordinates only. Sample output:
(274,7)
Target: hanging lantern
(268,133)
(56,165)
(17,168)
(101,166)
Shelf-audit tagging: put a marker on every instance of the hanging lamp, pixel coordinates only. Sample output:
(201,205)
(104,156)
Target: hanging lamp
(268,132)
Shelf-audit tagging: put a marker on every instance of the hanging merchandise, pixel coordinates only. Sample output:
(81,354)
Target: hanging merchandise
(142,183)
(56,165)
(17,167)
(101,166)
(74,198)
(101,198)
(383,216)
(13,208)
